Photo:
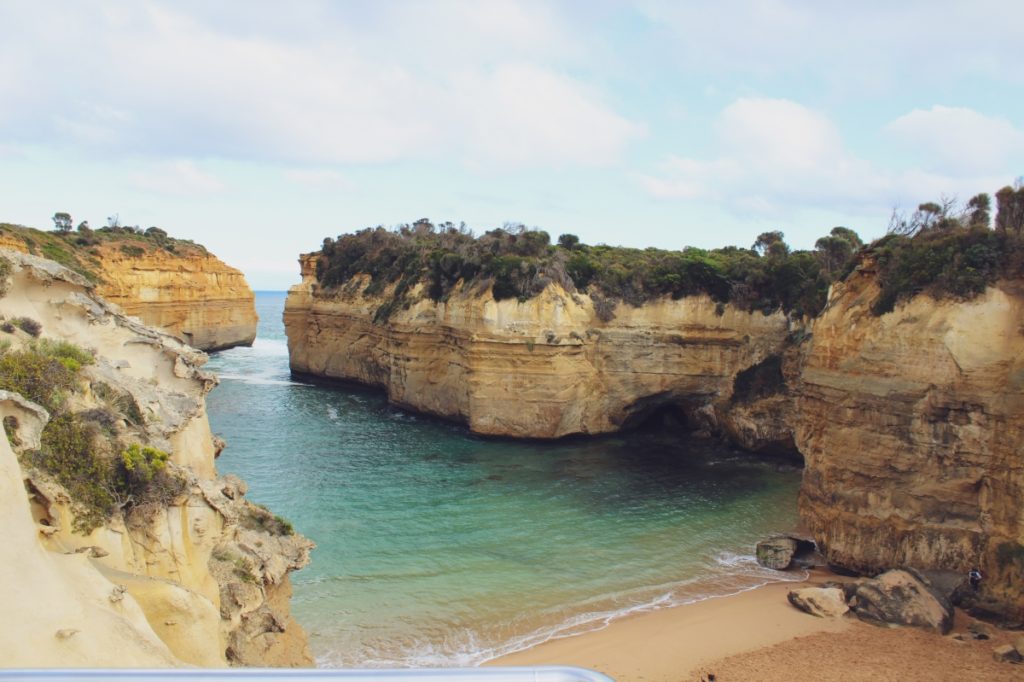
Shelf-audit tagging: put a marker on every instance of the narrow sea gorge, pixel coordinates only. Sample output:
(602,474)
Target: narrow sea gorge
(437,547)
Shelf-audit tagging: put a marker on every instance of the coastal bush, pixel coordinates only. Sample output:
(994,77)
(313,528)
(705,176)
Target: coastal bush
(28,325)
(517,263)
(5,272)
(64,352)
(258,517)
(69,454)
(39,378)
(957,261)
(7,326)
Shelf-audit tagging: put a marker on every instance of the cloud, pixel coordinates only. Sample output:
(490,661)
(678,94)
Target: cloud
(774,157)
(521,114)
(177,179)
(959,141)
(338,84)
(772,153)
(873,46)
(320,179)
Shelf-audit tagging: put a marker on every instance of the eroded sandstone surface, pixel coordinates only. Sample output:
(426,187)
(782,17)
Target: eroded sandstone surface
(543,368)
(911,426)
(200,578)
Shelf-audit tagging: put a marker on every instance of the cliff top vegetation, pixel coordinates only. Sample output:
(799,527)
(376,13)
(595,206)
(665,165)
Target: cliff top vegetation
(77,249)
(946,250)
(942,249)
(516,262)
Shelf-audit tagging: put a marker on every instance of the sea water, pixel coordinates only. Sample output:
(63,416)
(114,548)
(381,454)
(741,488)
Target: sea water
(438,547)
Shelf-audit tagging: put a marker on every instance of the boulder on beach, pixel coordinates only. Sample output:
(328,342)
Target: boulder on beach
(899,597)
(780,551)
(1007,654)
(824,602)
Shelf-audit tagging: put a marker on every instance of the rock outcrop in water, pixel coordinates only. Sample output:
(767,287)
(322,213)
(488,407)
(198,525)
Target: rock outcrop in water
(171,284)
(543,368)
(911,425)
(193,575)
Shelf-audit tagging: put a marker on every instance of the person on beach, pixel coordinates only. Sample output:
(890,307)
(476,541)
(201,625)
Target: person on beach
(974,578)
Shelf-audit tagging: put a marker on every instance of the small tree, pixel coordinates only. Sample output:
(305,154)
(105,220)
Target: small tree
(157,235)
(568,241)
(62,221)
(979,208)
(771,244)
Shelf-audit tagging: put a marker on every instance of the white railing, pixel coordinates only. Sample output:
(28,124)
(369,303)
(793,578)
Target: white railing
(509,674)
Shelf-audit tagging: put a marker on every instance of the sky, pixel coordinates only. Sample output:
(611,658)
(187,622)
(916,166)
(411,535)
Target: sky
(258,128)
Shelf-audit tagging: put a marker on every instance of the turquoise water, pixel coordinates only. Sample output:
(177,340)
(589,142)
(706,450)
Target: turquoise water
(436,547)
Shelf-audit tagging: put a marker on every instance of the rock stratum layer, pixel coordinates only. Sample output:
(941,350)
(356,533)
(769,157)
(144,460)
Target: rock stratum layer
(197,297)
(911,425)
(187,291)
(200,578)
(544,368)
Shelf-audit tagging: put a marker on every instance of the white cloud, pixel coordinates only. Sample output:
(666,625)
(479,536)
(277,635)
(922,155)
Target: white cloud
(959,141)
(872,46)
(351,85)
(320,179)
(772,153)
(774,157)
(522,114)
(177,179)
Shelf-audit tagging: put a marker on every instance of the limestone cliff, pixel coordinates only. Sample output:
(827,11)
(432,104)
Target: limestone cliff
(199,576)
(544,368)
(171,284)
(911,427)
(195,296)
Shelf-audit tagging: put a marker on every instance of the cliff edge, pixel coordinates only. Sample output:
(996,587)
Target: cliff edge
(911,425)
(168,283)
(545,367)
(130,549)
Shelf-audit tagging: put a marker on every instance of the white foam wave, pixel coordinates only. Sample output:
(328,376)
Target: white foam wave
(258,380)
(332,413)
(467,648)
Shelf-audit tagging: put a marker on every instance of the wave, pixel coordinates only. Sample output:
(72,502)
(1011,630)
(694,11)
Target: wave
(466,648)
(258,380)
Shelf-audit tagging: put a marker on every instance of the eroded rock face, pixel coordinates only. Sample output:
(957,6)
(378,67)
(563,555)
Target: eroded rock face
(544,368)
(911,427)
(196,297)
(162,565)
(191,293)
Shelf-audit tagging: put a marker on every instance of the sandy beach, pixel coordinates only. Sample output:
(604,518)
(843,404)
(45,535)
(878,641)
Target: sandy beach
(757,635)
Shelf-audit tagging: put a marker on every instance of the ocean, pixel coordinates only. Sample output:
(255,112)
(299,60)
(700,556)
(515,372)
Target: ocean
(436,547)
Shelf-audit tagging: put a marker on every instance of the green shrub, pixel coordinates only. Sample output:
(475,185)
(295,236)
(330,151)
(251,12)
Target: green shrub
(29,326)
(132,250)
(957,263)
(519,263)
(258,517)
(41,379)
(7,327)
(5,272)
(68,453)
(68,354)
(141,464)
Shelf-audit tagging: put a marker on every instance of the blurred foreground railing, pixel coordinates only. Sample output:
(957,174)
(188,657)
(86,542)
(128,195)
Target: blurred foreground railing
(510,674)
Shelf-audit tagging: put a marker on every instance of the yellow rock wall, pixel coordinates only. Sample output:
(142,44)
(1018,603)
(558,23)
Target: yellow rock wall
(911,425)
(196,297)
(545,368)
